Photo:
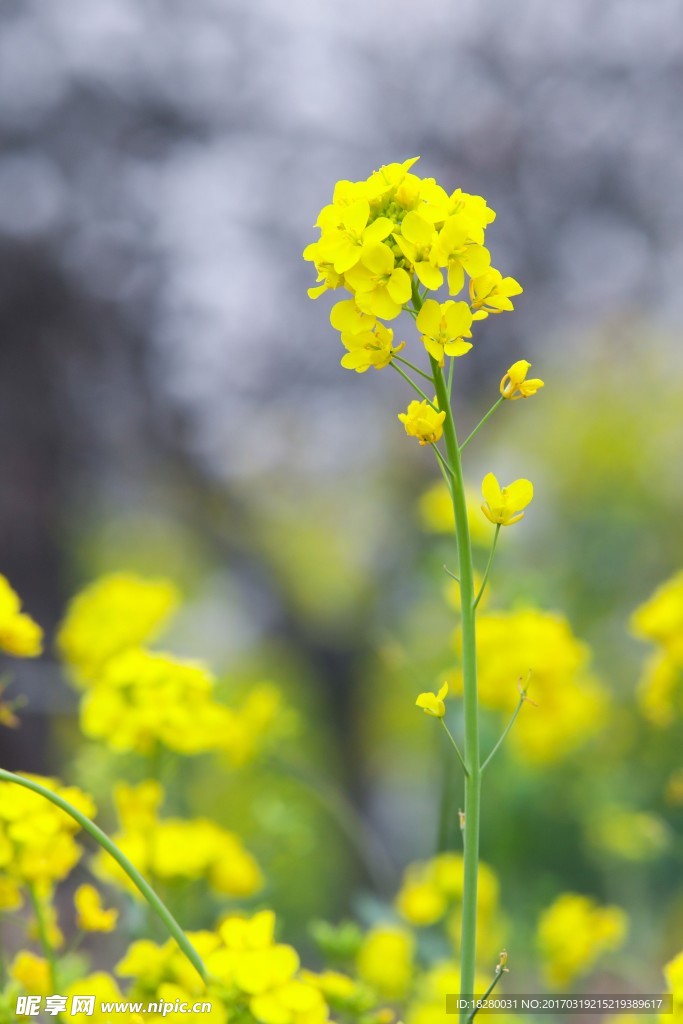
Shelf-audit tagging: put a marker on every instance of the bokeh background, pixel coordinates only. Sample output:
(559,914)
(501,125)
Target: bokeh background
(171,402)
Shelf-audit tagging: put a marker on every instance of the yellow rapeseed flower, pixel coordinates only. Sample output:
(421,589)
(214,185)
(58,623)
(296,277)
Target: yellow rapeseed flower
(515,383)
(574,932)
(433,703)
(490,292)
(91,915)
(443,327)
(20,636)
(423,421)
(503,505)
(32,972)
(385,960)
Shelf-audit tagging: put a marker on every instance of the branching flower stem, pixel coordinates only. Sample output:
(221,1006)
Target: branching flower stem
(112,849)
(500,971)
(43,934)
(469,667)
(455,746)
(482,588)
(413,385)
(481,422)
(522,700)
(413,367)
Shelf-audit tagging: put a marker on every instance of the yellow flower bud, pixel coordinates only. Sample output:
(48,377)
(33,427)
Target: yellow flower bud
(433,704)
(515,384)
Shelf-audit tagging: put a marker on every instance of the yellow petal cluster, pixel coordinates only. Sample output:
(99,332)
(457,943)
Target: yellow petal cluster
(37,839)
(385,960)
(385,238)
(433,703)
(659,620)
(431,889)
(174,849)
(256,974)
(515,383)
(91,915)
(574,932)
(20,636)
(504,505)
(424,421)
(540,648)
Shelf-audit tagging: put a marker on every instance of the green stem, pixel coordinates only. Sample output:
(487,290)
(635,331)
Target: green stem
(455,747)
(469,668)
(43,935)
(412,366)
(448,472)
(506,730)
(105,842)
(482,588)
(481,422)
(498,975)
(413,385)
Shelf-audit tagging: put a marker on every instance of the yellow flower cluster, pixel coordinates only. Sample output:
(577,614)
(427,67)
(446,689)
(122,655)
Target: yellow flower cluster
(385,237)
(20,636)
(136,699)
(251,973)
(531,644)
(172,849)
(574,932)
(660,621)
(431,891)
(424,421)
(37,840)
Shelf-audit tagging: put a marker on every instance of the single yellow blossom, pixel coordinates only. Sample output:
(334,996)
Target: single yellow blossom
(381,288)
(433,704)
(503,505)
(385,960)
(444,326)
(415,240)
(91,914)
(515,383)
(355,232)
(370,348)
(574,932)
(32,972)
(20,636)
(423,421)
(491,293)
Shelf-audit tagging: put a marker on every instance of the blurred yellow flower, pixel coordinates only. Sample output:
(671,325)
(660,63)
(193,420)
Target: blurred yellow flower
(503,505)
(20,636)
(91,915)
(32,972)
(660,620)
(574,932)
(423,421)
(433,704)
(116,612)
(515,383)
(385,960)
(436,513)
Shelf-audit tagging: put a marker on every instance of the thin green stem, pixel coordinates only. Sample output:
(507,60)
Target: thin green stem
(455,746)
(506,730)
(44,935)
(105,842)
(500,971)
(412,366)
(471,707)
(487,573)
(413,385)
(450,377)
(451,574)
(446,467)
(481,422)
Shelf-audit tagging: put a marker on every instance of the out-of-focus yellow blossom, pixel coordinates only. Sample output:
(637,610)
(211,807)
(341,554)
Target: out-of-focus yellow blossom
(491,293)
(341,992)
(423,421)
(37,843)
(20,636)
(436,512)
(571,704)
(433,703)
(630,835)
(673,972)
(443,327)
(574,932)
(515,383)
(32,972)
(105,989)
(660,620)
(111,615)
(10,893)
(428,1003)
(142,698)
(172,848)
(431,891)
(385,960)
(91,915)
(503,505)
(44,894)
